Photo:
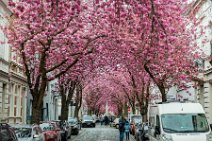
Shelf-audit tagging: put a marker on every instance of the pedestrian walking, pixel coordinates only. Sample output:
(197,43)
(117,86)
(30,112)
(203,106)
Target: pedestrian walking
(101,120)
(121,128)
(106,120)
(127,130)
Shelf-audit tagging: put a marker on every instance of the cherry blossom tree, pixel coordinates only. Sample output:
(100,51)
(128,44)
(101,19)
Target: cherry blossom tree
(49,35)
(155,36)
(148,36)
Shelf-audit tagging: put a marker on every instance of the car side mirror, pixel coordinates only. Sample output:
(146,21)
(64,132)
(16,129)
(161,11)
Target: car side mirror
(140,129)
(157,130)
(35,136)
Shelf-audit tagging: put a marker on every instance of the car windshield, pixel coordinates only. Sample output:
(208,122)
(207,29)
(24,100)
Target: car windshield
(72,121)
(46,127)
(183,123)
(4,134)
(137,119)
(23,132)
(87,118)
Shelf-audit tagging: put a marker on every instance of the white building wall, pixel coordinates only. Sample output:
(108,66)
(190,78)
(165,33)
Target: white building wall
(188,93)
(203,93)
(4,66)
(13,86)
(53,100)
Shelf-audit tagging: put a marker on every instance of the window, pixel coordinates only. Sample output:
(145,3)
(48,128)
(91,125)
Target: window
(184,123)
(16,89)
(15,111)
(15,100)
(8,113)
(12,87)
(21,112)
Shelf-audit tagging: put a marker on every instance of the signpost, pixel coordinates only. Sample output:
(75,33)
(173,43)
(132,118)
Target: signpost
(128,109)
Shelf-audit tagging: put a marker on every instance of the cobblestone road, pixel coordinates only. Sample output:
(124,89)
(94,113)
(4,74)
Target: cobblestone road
(100,133)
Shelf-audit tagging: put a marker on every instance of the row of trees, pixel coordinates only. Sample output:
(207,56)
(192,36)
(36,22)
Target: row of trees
(143,42)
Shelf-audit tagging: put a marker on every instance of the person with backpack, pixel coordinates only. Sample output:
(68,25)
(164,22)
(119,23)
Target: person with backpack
(121,128)
(127,130)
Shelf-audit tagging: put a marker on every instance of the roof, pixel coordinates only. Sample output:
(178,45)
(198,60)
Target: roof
(177,107)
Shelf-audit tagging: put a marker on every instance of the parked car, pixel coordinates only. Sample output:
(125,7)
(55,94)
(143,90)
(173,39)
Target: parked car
(134,121)
(28,132)
(95,118)
(51,133)
(7,133)
(73,123)
(88,121)
(65,129)
(115,123)
(141,133)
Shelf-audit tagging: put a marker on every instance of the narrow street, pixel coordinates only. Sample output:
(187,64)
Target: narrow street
(100,133)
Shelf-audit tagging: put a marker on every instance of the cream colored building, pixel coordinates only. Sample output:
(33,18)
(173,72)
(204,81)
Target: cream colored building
(13,86)
(202,9)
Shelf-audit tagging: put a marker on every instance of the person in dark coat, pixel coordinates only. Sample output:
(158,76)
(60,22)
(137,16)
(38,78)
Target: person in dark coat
(121,128)
(106,120)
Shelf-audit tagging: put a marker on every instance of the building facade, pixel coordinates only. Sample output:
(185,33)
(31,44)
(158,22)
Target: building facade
(13,86)
(201,90)
(202,10)
(4,65)
(51,103)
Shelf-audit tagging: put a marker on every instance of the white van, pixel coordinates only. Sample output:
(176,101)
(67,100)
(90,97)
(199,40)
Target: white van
(176,121)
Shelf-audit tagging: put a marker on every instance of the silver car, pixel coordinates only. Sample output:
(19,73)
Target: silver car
(29,132)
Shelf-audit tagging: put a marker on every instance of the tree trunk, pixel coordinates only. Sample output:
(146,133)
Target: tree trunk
(64,108)
(144,117)
(78,99)
(125,110)
(36,112)
(37,102)
(66,92)
(163,92)
(133,108)
(120,111)
(76,112)
(158,83)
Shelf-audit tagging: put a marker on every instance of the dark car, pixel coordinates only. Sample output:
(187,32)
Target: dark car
(73,123)
(88,121)
(7,133)
(142,133)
